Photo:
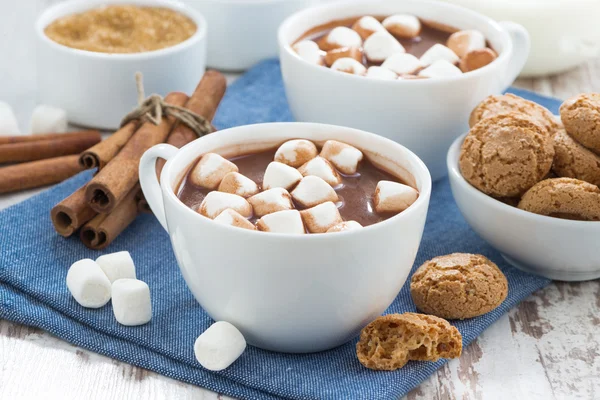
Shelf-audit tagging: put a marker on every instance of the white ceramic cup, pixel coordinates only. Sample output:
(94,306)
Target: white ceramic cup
(552,247)
(244,32)
(424,115)
(99,89)
(290,293)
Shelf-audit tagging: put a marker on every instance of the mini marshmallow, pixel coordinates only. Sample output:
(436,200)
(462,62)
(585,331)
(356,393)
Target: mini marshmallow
(88,284)
(439,52)
(322,168)
(344,226)
(462,42)
(366,26)
(402,63)
(8,120)
(322,217)
(236,183)
(343,156)
(131,302)
(280,175)
(381,73)
(210,170)
(216,202)
(296,152)
(476,59)
(117,265)
(288,221)
(340,37)
(313,190)
(219,346)
(48,119)
(381,45)
(270,201)
(233,218)
(349,65)
(393,197)
(309,51)
(403,25)
(345,52)
(440,69)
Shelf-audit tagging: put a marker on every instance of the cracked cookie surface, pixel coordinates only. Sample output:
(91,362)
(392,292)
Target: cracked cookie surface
(565,198)
(572,160)
(389,342)
(458,286)
(581,117)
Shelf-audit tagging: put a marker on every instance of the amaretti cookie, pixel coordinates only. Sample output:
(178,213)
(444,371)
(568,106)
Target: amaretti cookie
(572,160)
(563,198)
(389,342)
(505,155)
(509,103)
(458,286)
(581,117)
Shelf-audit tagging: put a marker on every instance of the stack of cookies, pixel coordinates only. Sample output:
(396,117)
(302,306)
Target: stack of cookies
(519,153)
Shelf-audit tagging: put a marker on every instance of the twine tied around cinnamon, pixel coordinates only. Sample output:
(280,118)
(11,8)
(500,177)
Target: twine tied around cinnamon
(154,108)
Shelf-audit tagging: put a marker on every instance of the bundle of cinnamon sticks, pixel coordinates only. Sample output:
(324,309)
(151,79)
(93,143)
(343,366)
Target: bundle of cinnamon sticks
(106,205)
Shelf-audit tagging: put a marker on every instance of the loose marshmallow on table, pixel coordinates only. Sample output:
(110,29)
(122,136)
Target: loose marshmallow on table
(131,302)
(345,226)
(88,284)
(296,152)
(280,175)
(8,120)
(393,197)
(117,265)
(309,51)
(343,156)
(270,201)
(381,45)
(462,42)
(322,217)
(439,52)
(440,69)
(340,37)
(349,65)
(219,346)
(322,168)
(476,59)
(381,73)
(345,52)
(236,183)
(288,221)
(216,202)
(313,190)
(233,218)
(366,26)
(402,63)
(48,119)
(403,25)
(210,170)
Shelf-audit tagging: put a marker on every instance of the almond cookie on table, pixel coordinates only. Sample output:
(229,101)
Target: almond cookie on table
(581,117)
(458,286)
(505,155)
(572,160)
(565,198)
(389,342)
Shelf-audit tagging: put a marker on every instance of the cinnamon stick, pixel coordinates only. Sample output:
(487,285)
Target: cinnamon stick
(38,173)
(38,137)
(104,228)
(99,155)
(120,175)
(71,213)
(142,203)
(48,148)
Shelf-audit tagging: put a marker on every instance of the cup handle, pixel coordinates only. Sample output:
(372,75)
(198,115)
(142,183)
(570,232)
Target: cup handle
(521,46)
(149,180)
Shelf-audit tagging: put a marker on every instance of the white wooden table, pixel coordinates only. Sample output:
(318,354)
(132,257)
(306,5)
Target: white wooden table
(546,348)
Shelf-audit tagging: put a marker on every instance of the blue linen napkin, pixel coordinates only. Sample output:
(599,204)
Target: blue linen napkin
(34,262)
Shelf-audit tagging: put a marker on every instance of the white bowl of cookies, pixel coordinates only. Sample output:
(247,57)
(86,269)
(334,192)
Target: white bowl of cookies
(528,184)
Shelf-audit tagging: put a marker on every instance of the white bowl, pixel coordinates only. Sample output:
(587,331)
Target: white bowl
(423,115)
(244,32)
(554,248)
(98,89)
(291,293)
